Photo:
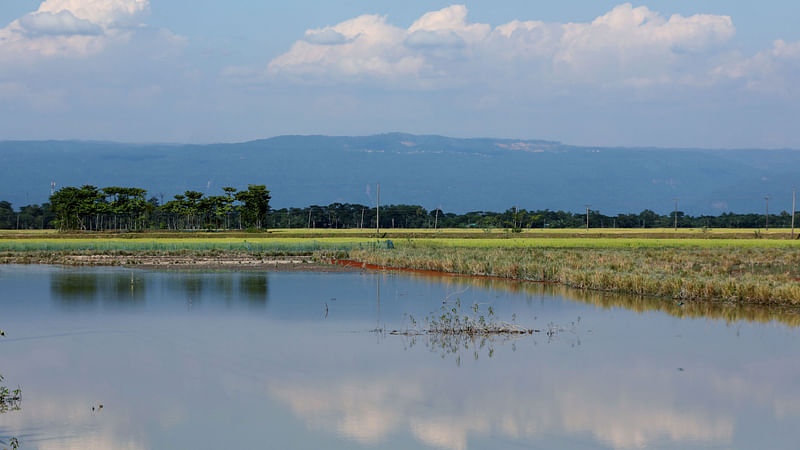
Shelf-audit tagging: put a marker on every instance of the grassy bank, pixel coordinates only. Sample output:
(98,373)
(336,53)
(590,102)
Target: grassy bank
(745,271)
(733,274)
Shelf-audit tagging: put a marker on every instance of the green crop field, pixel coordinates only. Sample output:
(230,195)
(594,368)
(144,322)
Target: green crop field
(345,241)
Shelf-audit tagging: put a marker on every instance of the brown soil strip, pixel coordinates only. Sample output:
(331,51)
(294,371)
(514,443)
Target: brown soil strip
(233,262)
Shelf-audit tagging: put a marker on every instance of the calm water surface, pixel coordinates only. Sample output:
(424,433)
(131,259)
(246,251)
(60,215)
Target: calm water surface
(287,360)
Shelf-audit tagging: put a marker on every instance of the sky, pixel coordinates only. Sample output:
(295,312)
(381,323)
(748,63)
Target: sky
(668,73)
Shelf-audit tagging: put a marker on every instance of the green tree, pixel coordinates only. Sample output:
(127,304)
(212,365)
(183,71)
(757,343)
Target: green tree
(255,204)
(128,203)
(73,205)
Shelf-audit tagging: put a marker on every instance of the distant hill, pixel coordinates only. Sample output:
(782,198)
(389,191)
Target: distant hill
(459,174)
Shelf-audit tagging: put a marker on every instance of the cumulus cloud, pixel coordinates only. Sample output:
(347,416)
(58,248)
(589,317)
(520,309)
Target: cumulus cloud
(60,23)
(433,39)
(627,47)
(107,13)
(452,19)
(775,70)
(325,36)
(370,47)
(71,28)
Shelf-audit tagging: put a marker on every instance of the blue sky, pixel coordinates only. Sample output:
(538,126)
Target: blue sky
(662,73)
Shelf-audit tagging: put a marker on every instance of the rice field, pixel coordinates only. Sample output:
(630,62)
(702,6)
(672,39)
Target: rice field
(397,233)
(310,240)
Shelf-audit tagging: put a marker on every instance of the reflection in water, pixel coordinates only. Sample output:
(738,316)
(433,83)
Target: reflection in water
(55,408)
(454,330)
(80,289)
(729,312)
(443,414)
(477,346)
(623,406)
(254,287)
(116,288)
(292,377)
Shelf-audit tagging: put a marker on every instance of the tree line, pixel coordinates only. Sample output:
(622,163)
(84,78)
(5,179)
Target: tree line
(130,209)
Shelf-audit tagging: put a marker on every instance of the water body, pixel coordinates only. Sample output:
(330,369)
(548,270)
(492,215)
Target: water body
(288,360)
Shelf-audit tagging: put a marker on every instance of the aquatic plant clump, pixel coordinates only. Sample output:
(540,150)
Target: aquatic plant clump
(450,321)
(450,331)
(10,399)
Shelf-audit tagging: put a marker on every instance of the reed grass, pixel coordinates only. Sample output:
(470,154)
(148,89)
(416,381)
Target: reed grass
(593,242)
(739,275)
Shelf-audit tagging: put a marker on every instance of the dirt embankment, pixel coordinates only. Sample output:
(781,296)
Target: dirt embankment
(226,261)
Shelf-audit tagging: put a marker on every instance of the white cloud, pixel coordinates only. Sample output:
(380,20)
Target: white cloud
(71,28)
(372,48)
(451,20)
(325,36)
(106,13)
(628,46)
(774,71)
(60,23)
(433,39)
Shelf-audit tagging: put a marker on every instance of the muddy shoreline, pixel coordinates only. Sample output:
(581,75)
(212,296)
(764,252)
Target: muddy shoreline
(232,262)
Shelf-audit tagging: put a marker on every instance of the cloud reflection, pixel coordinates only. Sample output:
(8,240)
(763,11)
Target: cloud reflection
(619,408)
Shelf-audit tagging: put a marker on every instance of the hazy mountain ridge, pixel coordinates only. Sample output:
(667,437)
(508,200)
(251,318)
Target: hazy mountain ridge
(458,174)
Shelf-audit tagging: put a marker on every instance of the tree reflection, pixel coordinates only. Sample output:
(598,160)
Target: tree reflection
(83,289)
(121,288)
(255,288)
(73,289)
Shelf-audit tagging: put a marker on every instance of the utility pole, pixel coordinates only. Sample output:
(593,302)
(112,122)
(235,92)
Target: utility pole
(766,217)
(361,227)
(794,198)
(587,216)
(676,213)
(378,212)
(309,217)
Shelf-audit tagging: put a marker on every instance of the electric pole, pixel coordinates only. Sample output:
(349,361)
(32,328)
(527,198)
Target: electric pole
(794,198)
(676,214)
(766,216)
(587,216)
(378,212)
